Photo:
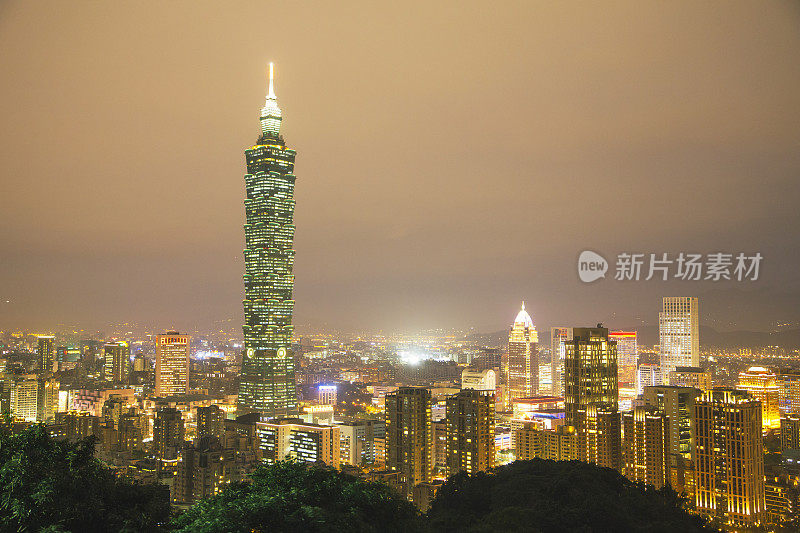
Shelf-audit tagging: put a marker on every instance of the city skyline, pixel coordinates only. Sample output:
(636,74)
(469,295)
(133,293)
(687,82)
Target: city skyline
(694,147)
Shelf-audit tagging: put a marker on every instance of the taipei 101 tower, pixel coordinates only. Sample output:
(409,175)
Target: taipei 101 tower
(266,383)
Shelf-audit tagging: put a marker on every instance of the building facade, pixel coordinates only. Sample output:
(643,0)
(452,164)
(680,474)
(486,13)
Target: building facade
(172,364)
(522,377)
(470,431)
(558,336)
(409,436)
(267,380)
(679,333)
(590,372)
(762,384)
(116,358)
(646,446)
(690,376)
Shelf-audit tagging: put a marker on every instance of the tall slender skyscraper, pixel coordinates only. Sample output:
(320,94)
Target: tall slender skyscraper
(679,333)
(590,372)
(46,352)
(172,364)
(116,359)
(523,360)
(558,336)
(267,379)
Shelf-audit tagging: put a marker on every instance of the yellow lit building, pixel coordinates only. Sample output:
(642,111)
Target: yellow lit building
(690,376)
(523,360)
(172,364)
(116,360)
(729,464)
(409,436)
(762,385)
(560,444)
(470,431)
(646,446)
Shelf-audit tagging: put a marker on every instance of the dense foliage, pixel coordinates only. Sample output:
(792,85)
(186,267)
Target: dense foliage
(57,486)
(288,496)
(544,495)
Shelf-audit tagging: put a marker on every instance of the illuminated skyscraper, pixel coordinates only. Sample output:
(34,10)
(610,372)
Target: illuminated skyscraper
(210,422)
(116,360)
(267,378)
(646,446)
(763,386)
(523,360)
(627,355)
(600,435)
(678,404)
(409,436)
(679,333)
(558,336)
(46,353)
(168,433)
(172,364)
(590,372)
(789,390)
(729,466)
(470,431)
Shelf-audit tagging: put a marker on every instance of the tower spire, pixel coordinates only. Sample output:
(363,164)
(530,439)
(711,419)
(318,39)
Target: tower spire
(271,93)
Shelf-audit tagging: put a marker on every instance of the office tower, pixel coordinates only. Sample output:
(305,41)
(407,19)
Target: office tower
(470,431)
(729,455)
(648,376)
(293,438)
(479,379)
(627,355)
(47,399)
(46,353)
(357,441)
(409,435)
(646,446)
(267,378)
(788,390)
(679,333)
(523,361)
(690,376)
(763,386)
(558,336)
(168,434)
(23,396)
(600,440)
(172,364)
(116,359)
(210,422)
(590,372)
(677,403)
(559,444)
(326,394)
(790,432)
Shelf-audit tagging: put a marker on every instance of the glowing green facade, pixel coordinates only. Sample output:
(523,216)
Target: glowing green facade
(267,381)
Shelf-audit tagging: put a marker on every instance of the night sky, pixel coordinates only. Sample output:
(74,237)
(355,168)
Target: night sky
(453,158)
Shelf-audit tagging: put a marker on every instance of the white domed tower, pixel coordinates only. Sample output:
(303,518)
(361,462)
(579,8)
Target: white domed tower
(523,359)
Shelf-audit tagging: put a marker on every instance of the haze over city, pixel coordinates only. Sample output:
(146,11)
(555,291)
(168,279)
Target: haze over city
(453,159)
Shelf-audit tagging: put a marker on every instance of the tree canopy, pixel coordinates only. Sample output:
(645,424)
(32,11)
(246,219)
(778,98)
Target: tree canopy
(541,495)
(58,486)
(289,496)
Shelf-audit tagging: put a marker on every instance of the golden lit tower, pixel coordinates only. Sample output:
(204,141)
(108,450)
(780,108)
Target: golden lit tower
(762,385)
(470,431)
(172,364)
(266,384)
(729,466)
(523,361)
(590,372)
(679,333)
(646,446)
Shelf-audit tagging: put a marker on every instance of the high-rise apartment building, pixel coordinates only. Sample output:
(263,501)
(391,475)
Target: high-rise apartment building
(790,432)
(23,396)
(677,403)
(590,372)
(172,364)
(479,379)
(646,446)
(788,390)
(116,360)
(600,439)
(679,333)
(523,359)
(357,441)
(762,384)
(46,353)
(558,336)
(470,431)
(267,383)
(648,375)
(559,444)
(729,465)
(293,438)
(168,434)
(210,422)
(409,436)
(627,355)
(690,376)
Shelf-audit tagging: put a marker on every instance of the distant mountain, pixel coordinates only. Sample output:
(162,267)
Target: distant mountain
(648,336)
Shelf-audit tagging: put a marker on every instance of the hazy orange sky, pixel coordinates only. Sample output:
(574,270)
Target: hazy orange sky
(453,157)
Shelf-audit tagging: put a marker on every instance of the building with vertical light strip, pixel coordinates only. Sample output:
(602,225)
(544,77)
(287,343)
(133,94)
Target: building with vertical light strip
(558,335)
(172,364)
(646,446)
(46,352)
(729,466)
(116,360)
(679,333)
(267,381)
(523,361)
